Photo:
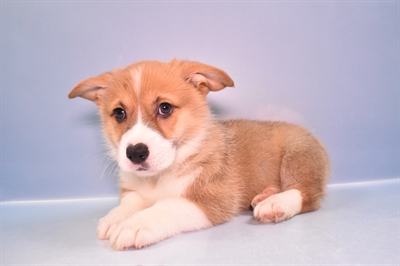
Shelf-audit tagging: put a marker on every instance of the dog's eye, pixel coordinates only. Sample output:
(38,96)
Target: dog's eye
(119,114)
(165,110)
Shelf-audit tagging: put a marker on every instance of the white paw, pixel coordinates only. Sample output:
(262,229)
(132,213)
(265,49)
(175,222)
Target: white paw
(139,230)
(112,219)
(165,219)
(279,207)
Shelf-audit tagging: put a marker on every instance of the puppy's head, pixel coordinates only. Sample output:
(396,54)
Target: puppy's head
(154,114)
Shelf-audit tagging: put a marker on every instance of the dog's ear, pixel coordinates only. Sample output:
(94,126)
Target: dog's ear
(92,88)
(204,77)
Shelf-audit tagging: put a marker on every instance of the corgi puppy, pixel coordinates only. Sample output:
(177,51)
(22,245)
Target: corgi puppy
(183,170)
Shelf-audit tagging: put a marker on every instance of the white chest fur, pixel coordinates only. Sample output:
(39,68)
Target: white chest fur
(153,189)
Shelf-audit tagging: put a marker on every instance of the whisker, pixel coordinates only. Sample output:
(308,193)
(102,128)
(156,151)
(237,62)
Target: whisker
(98,153)
(108,165)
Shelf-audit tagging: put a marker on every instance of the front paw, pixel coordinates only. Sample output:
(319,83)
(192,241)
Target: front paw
(112,219)
(104,226)
(136,232)
(166,218)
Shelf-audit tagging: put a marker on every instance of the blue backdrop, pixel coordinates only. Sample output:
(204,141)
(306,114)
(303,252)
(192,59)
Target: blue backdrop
(332,66)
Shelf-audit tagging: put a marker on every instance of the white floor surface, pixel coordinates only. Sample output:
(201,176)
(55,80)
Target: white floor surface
(357,224)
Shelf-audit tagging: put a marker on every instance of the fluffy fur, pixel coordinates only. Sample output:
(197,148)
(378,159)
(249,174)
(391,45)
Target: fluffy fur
(182,170)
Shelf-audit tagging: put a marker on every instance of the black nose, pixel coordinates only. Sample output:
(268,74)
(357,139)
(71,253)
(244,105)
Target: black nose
(137,153)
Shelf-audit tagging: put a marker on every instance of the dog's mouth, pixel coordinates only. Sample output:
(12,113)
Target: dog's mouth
(143,167)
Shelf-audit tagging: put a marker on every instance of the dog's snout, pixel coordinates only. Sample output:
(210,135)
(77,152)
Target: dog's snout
(137,153)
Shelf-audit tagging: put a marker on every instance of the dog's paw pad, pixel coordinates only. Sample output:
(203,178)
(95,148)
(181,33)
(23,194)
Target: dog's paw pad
(279,213)
(269,216)
(279,207)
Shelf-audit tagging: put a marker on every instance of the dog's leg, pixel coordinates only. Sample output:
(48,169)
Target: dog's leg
(130,203)
(166,218)
(304,171)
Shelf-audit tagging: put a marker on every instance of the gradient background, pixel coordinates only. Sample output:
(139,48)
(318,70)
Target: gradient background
(332,66)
